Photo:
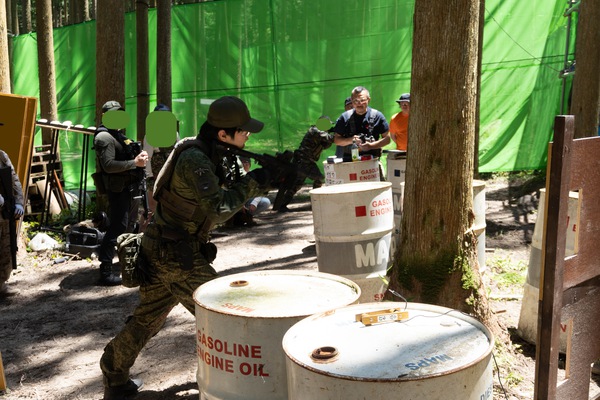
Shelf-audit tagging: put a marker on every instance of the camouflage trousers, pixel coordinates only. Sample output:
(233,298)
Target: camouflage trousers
(5,257)
(170,285)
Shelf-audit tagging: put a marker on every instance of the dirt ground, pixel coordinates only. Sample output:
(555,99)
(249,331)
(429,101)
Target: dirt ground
(55,327)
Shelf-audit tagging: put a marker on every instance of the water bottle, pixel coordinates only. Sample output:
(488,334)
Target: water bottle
(354,151)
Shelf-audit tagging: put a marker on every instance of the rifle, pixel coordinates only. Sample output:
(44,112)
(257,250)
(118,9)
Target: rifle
(143,192)
(8,210)
(285,172)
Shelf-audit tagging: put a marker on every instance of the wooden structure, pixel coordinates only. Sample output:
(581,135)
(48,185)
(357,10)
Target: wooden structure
(17,126)
(53,183)
(569,288)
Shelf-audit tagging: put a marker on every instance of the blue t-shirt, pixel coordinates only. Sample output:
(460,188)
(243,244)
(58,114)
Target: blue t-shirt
(372,124)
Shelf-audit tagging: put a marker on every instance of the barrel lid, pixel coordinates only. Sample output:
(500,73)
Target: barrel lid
(276,294)
(351,187)
(431,341)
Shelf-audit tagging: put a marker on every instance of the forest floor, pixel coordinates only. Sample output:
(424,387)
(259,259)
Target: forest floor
(56,324)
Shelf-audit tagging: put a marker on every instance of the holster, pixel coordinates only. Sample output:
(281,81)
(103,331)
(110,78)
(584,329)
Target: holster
(185,245)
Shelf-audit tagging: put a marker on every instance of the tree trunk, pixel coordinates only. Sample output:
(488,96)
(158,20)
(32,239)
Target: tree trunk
(163,52)
(585,103)
(142,67)
(110,53)
(26,16)
(436,261)
(93,9)
(14,17)
(4,61)
(84,10)
(45,47)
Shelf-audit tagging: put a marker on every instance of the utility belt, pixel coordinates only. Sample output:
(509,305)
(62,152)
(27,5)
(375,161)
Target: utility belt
(177,245)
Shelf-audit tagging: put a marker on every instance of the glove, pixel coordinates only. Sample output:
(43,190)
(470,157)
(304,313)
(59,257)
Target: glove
(1,200)
(261,176)
(19,211)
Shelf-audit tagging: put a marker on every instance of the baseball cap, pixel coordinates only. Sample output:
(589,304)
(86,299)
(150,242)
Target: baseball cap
(404,97)
(111,105)
(161,107)
(348,101)
(232,112)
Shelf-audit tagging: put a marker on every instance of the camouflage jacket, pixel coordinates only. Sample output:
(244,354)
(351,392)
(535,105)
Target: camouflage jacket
(199,179)
(312,145)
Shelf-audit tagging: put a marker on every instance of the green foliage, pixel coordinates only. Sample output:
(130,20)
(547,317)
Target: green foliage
(507,274)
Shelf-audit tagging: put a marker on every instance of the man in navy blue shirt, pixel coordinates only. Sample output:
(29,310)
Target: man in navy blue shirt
(364,124)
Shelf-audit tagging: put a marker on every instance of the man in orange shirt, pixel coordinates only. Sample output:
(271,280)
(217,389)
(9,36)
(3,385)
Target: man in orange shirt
(399,123)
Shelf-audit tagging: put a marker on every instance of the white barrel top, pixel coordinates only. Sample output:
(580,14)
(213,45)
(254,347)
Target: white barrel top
(432,341)
(351,188)
(276,294)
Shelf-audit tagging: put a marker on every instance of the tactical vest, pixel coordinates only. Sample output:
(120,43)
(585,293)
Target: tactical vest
(182,208)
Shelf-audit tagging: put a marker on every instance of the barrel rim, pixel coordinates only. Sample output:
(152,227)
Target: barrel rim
(233,277)
(348,188)
(429,307)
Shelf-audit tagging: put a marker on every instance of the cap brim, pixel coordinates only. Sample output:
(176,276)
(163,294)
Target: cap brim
(114,109)
(253,126)
(402,101)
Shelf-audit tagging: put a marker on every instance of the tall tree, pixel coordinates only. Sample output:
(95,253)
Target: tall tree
(436,262)
(8,14)
(26,16)
(14,17)
(78,11)
(110,53)
(163,51)
(4,62)
(142,68)
(45,48)
(585,103)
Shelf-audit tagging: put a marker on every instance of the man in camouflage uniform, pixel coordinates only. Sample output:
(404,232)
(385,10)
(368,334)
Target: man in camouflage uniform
(6,265)
(122,171)
(305,157)
(191,199)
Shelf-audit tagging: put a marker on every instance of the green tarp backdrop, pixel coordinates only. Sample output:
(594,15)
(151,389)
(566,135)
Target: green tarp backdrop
(293,61)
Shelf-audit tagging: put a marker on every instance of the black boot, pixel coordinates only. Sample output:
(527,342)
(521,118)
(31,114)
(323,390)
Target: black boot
(121,392)
(107,276)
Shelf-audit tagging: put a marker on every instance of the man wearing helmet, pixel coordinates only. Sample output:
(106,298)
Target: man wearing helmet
(176,246)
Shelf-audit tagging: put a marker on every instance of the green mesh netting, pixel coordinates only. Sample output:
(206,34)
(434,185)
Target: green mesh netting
(293,61)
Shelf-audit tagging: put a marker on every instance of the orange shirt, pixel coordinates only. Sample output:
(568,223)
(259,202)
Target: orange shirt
(399,130)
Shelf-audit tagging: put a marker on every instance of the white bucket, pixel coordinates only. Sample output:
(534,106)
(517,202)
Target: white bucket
(241,320)
(353,230)
(396,167)
(479,208)
(437,353)
(351,172)
(528,317)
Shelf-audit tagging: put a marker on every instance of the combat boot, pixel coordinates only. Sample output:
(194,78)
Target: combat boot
(107,276)
(122,392)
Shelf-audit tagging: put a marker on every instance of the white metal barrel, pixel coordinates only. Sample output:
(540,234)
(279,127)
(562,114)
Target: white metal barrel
(398,201)
(436,353)
(353,229)
(528,317)
(351,172)
(479,225)
(396,167)
(241,320)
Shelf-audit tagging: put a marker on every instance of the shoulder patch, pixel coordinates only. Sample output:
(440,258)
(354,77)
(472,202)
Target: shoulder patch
(202,171)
